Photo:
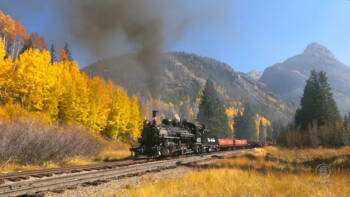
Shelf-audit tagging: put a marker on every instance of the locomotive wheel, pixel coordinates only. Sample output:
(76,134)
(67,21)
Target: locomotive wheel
(197,149)
(182,151)
(165,151)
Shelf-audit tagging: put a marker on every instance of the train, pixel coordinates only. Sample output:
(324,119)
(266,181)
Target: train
(176,137)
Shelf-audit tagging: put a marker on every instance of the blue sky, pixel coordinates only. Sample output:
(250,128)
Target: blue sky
(246,34)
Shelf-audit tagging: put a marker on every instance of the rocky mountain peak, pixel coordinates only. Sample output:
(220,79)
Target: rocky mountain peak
(288,78)
(316,49)
(255,74)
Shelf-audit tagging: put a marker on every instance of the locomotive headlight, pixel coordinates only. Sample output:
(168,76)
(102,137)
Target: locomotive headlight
(199,140)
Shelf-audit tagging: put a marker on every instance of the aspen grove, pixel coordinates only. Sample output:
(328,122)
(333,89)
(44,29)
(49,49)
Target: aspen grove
(32,85)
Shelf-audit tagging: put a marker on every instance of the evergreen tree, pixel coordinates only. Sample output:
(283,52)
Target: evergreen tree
(317,103)
(53,54)
(68,52)
(309,110)
(245,127)
(238,126)
(330,112)
(277,128)
(248,122)
(212,112)
(269,133)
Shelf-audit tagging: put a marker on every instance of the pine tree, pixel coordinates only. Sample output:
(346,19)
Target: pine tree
(68,52)
(317,103)
(277,129)
(212,112)
(249,127)
(245,125)
(330,112)
(53,54)
(238,120)
(269,133)
(310,109)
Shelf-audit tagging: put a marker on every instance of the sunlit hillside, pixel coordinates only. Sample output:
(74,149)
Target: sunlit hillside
(180,79)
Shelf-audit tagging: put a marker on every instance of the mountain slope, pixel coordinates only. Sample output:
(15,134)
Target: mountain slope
(182,77)
(255,74)
(288,79)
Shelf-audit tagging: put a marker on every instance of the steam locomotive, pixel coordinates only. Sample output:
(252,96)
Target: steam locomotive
(171,138)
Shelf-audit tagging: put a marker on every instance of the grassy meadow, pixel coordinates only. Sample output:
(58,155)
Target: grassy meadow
(263,172)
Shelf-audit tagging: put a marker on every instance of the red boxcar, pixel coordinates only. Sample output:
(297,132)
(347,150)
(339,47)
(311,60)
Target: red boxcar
(225,142)
(241,142)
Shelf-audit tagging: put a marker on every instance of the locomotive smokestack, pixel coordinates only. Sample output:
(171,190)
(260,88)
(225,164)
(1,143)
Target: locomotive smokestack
(154,117)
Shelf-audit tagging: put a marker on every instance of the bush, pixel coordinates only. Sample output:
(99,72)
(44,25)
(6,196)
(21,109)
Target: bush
(327,136)
(293,139)
(30,142)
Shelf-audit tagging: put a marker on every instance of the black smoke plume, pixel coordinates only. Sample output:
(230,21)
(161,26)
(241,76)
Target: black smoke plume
(145,27)
(95,24)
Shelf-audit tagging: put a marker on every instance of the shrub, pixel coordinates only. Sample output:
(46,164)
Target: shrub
(327,136)
(30,142)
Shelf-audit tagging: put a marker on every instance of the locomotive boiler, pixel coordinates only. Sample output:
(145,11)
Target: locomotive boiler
(172,137)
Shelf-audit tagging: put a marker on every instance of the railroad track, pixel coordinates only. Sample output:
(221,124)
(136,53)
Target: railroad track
(93,173)
(18,176)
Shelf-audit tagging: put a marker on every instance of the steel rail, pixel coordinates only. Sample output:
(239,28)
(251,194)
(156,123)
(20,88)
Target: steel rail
(45,172)
(59,182)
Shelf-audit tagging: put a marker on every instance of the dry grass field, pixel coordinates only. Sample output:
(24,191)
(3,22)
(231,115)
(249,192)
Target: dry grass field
(111,152)
(265,172)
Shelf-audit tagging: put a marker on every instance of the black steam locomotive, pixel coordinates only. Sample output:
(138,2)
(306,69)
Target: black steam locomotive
(172,138)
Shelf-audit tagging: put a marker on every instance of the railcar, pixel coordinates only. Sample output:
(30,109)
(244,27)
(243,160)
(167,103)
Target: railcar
(231,144)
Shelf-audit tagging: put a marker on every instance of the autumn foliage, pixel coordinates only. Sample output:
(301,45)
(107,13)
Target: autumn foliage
(57,92)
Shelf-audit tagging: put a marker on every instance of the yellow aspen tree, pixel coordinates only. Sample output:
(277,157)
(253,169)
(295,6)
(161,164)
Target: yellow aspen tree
(100,95)
(71,103)
(82,98)
(32,82)
(119,116)
(5,72)
(65,113)
(124,132)
(261,120)
(135,121)
(232,112)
